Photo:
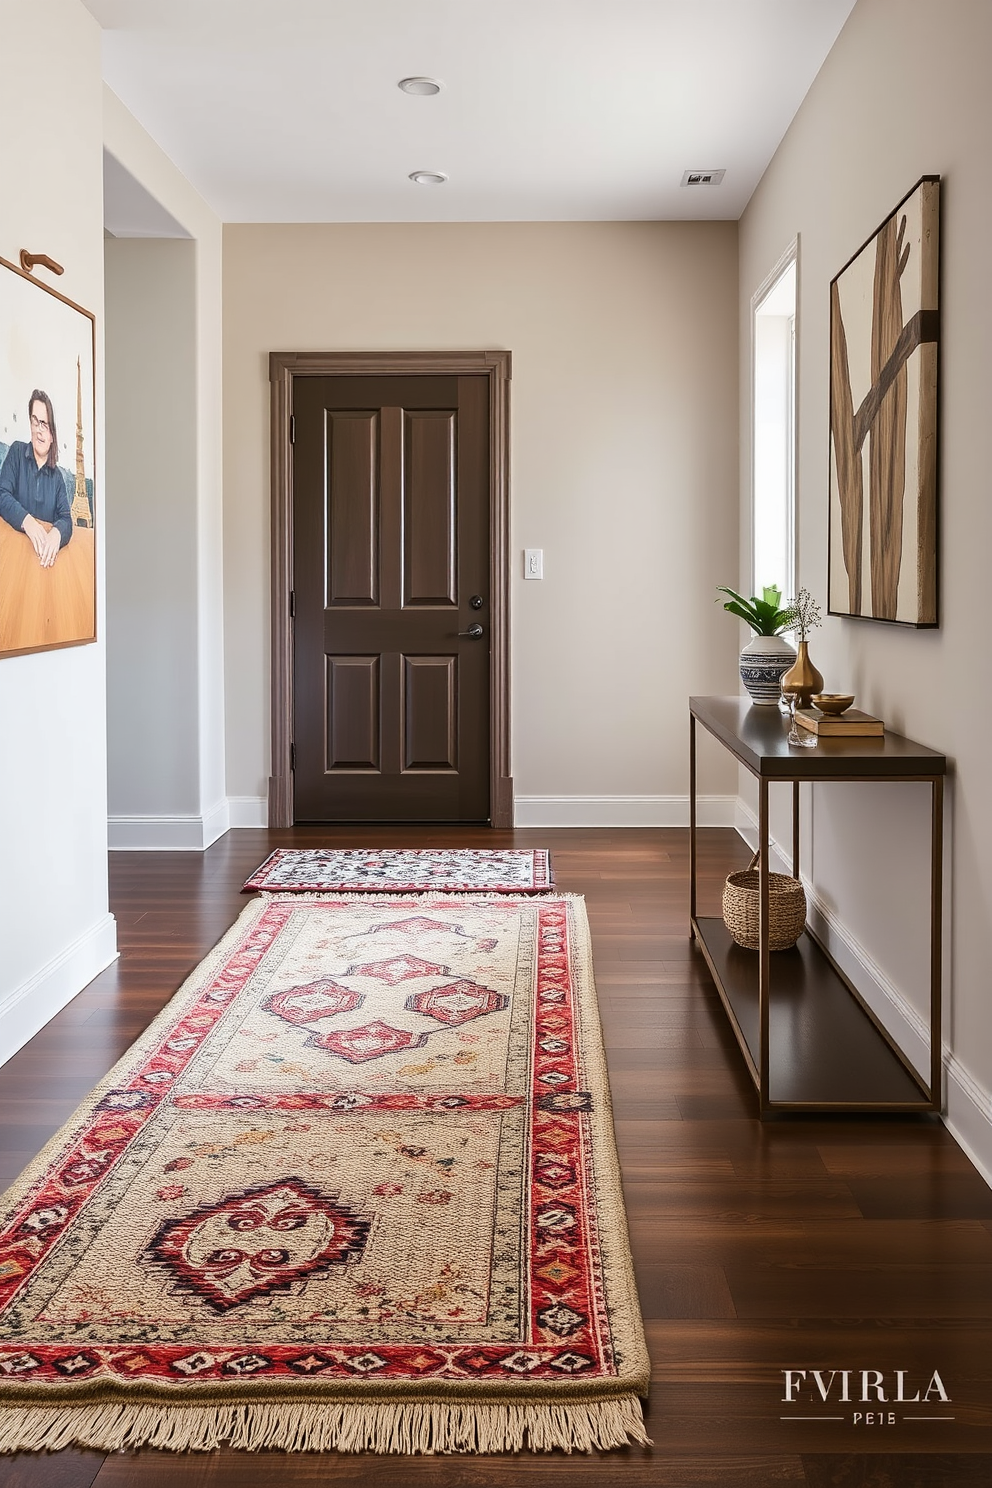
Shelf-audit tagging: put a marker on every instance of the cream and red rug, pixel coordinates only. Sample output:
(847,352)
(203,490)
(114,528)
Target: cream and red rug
(355,1188)
(400,870)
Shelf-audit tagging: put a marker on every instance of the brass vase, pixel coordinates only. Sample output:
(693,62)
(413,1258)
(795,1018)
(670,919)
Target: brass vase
(803,678)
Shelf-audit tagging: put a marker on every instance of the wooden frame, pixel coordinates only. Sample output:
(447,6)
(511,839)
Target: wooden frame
(884,329)
(284,366)
(46,606)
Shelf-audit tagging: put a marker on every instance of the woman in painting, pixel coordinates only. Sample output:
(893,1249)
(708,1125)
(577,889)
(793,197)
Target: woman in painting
(32,490)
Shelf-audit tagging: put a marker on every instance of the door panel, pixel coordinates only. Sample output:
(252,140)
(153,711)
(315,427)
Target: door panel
(430,713)
(391,542)
(352,508)
(429,551)
(352,695)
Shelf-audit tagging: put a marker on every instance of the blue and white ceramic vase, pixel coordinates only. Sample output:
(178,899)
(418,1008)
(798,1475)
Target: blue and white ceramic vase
(764,662)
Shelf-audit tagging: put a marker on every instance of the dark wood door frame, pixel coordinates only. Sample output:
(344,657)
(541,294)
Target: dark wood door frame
(284,366)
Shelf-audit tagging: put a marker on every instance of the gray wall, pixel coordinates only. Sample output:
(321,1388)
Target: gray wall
(153,763)
(192,380)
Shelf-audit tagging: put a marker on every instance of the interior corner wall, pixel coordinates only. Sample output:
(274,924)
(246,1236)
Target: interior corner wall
(904,93)
(55,929)
(152,705)
(623,436)
(200,726)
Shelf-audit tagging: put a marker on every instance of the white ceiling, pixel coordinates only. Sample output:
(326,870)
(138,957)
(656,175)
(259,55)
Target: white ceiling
(552,110)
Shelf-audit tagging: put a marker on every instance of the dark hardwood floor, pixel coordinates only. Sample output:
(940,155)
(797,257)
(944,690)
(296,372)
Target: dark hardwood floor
(804,1243)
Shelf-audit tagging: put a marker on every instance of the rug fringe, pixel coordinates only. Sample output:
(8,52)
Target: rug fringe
(322,1426)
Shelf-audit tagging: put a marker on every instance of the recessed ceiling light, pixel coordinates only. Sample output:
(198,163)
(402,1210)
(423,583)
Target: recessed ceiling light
(420,87)
(428,178)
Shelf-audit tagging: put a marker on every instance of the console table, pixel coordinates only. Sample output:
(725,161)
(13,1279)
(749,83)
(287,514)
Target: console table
(810,1041)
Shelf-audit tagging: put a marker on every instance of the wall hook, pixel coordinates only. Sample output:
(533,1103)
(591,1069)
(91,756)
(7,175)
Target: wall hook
(28,261)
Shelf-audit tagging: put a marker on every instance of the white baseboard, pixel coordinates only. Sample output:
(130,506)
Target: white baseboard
(166,833)
(248,811)
(27,1008)
(185,833)
(747,825)
(622,811)
(216,821)
(155,833)
(967,1110)
(968,1116)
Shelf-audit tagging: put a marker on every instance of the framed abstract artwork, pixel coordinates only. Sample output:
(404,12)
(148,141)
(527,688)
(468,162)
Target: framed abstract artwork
(47,467)
(883,419)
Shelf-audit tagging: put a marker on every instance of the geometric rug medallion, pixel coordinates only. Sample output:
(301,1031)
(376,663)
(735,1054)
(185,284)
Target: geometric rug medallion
(356,1187)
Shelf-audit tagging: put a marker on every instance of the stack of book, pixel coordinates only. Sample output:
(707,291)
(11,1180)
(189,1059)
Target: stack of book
(852,724)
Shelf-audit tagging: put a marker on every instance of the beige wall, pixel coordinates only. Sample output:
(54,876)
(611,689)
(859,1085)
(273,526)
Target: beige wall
(624,457)
(904,93)
(55,929)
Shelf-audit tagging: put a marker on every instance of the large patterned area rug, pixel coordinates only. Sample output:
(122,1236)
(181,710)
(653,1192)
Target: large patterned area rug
(355,1188)
(393,869)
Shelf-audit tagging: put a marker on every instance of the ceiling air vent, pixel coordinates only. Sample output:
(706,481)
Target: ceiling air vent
(703,177)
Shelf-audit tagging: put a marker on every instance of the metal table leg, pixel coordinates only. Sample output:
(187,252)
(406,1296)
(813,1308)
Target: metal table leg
(936,946)
(764,962)
(692,824)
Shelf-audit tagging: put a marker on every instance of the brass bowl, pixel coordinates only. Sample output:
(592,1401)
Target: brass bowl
(834,703)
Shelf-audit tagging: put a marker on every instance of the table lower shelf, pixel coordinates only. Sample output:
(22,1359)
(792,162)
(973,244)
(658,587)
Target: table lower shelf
(825,1051)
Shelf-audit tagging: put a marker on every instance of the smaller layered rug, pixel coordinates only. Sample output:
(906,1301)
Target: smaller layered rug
(356,1188)
(397,870)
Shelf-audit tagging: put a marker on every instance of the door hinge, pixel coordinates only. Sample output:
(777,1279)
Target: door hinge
(292,428)
(292,604)
(292,756)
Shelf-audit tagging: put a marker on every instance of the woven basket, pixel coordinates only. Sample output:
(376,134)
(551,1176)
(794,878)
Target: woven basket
(786,908)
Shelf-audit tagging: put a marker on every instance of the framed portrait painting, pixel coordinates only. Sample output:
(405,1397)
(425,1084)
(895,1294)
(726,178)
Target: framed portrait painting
(883,419)
(47,467)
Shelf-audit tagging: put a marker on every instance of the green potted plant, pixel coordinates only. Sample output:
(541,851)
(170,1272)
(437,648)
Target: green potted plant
(766,656)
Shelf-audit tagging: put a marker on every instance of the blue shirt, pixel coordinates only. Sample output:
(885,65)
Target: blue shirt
(26,491)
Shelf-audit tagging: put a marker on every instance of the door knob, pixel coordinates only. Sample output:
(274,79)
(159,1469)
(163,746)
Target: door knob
(477,601)
(473,632)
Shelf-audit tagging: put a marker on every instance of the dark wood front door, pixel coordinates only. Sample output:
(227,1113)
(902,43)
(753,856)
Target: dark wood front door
(391,568)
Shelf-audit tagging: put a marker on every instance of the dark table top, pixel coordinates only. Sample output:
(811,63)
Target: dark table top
(757,736)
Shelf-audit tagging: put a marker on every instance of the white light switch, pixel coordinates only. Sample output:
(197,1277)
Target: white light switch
(533,563)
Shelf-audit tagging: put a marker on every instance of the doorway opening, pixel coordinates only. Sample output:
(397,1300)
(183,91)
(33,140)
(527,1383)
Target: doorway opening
(153,754)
